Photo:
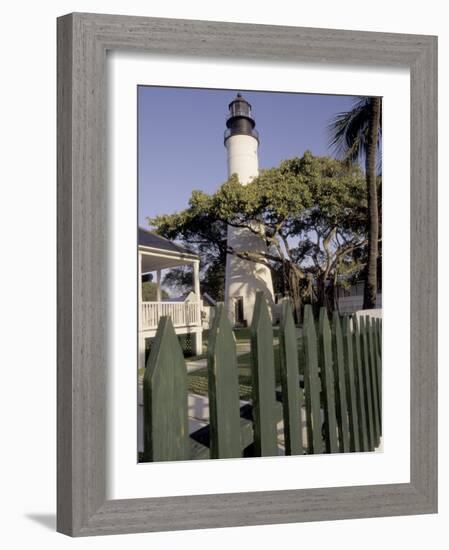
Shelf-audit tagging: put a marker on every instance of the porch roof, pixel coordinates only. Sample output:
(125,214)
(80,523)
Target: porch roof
(160,253)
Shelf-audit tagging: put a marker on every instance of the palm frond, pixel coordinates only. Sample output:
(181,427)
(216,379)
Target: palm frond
(348,131)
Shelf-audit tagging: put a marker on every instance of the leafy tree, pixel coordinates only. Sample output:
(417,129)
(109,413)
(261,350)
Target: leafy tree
(310,212)
(149,292)
(213,279)
(330,236)
(180,279)
(355,135)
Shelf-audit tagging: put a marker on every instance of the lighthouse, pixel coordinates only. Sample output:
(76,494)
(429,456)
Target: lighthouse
(243,277)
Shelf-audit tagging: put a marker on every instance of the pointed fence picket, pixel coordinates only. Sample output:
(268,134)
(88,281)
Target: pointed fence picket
(360,387)
(264,385)
(328,384)
(292,397)
(351,387)
(367,385)
(376,334)
(340,385)
(312,384)
(165,398)
(340,401)
(373,378)
(223,383)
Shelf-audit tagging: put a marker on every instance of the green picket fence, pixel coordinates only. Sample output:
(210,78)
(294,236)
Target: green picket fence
(339,400)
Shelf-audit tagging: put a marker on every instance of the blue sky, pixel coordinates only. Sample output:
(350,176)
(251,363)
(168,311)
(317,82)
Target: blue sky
(180,139)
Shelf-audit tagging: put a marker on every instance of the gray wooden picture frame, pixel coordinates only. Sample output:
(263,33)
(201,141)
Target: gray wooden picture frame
(83,40)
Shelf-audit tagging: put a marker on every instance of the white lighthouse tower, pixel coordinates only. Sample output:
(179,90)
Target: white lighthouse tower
(243,277)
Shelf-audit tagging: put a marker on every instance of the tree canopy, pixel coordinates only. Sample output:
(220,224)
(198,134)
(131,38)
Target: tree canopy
(354,135)
(310,211)
(149,292)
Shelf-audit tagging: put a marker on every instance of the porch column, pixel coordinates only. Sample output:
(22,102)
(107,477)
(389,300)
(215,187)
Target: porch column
(198,335)
(141,351)
(196,279)
(140,313)
(158,286)
(139,278)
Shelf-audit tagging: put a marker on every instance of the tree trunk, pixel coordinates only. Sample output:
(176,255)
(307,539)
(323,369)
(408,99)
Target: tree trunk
(294,291)
(321,294)
(330,297)
(370,290)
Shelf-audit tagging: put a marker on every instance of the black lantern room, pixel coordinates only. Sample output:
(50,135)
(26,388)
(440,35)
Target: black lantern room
(240,120)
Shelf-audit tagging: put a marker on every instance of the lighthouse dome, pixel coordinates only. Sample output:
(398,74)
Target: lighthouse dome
(240,119)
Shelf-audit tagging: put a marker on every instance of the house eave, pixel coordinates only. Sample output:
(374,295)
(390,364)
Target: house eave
(168,253)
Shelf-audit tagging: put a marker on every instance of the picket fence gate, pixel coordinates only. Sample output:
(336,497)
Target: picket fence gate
(339,396)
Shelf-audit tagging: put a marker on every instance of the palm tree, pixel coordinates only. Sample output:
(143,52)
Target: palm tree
(355,135)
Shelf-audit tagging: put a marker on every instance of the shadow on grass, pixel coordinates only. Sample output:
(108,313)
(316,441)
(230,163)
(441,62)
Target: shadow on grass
(197,380)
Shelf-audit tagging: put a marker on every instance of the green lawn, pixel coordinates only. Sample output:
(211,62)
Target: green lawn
(242,335)
(197,380)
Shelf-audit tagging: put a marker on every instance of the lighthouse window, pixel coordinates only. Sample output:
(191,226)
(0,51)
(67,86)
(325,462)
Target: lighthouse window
(240,108)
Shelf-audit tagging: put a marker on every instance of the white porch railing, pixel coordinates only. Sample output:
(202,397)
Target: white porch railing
(182,314)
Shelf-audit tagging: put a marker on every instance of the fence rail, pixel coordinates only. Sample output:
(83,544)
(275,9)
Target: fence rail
(338,399)
(182,314)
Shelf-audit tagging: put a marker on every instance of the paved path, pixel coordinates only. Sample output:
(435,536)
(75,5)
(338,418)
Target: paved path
(199,417)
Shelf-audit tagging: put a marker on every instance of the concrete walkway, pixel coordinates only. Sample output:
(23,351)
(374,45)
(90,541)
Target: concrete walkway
(198,412)
(199,417)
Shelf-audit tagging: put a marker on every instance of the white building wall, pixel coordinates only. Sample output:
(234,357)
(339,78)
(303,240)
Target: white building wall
(373,313)
(351,304)
(243,157)
(244,277)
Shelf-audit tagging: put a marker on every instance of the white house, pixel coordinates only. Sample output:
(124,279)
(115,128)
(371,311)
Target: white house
(156,253)
(350,300)
(207,306)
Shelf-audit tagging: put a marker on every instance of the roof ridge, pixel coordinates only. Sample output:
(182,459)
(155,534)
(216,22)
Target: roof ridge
(171,245)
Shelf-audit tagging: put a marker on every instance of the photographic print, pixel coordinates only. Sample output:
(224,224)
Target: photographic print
(259,274)
(280,235)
